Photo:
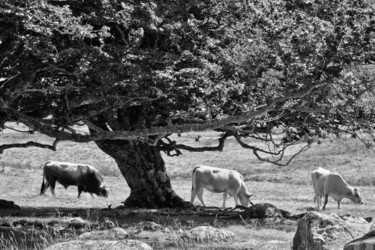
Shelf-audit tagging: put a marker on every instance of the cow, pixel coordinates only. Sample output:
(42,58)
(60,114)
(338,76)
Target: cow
(219,180)
(326,183)
(84,176)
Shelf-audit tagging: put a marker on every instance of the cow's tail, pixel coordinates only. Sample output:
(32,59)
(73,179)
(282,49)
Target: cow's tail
(192,178)
(43,188)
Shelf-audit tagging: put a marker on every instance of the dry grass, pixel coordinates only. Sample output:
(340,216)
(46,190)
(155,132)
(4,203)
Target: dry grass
(288,187)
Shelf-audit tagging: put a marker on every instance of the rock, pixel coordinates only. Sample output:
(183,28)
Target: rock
(327,231)
(264,210)
(4,204)
(151,226)
(114,233)
(107,224)
(208,233)
(74,222)
(372,228)
(101,245)
(366,242)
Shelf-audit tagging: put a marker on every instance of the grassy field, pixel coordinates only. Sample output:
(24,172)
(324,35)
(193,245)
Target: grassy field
(288,187)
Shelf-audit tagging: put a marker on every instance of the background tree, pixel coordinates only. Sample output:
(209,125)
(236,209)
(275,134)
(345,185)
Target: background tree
(135,72)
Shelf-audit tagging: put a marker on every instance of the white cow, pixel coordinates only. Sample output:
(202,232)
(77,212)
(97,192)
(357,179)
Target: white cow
(327,184)
(218,180)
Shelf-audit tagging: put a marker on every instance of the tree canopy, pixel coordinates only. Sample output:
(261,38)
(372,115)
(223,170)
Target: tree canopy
(281,72)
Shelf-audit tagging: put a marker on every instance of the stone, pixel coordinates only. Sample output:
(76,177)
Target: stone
(108,224)
(208,233)
(74,222)
(367,242)
(114,234)
(151,226)
(372,228)
(321,231)
(101,245)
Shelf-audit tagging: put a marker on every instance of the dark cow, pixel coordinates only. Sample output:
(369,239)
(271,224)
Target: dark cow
(84,176)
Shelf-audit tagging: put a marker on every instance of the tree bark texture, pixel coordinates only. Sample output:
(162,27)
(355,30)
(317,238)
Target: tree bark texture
(144,170)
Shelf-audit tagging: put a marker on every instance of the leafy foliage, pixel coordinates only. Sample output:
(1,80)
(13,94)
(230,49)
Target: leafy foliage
(144,70)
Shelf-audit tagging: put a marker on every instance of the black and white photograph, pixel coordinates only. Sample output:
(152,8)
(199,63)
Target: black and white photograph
(185,124)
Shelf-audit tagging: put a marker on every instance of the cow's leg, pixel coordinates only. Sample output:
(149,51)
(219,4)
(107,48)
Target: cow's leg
(200,196)
(224,198)
(320,201)
(52,183)
(235,197)
(45,186)
(80,189)
(193,194)
(325,201)
(338,204)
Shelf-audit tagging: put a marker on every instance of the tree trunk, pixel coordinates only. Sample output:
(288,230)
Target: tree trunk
(144,170)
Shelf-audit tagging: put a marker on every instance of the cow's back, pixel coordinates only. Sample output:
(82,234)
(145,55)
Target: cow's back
(335,184)
(64,172)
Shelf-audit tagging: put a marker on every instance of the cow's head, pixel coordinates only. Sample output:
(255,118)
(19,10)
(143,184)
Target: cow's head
(356,196)
(245,199)
(102,191)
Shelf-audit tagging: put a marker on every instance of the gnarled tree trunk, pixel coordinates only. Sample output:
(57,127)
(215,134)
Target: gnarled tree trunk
(144,170)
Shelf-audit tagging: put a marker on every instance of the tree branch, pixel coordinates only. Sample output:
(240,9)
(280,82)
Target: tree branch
(172,146)
(144,134)
(280,153)
(29,144)
(20,131)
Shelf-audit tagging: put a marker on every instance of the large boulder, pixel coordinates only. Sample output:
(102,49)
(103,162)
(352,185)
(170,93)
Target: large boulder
(114,234)
(366,242)
(318,231)
(101,245)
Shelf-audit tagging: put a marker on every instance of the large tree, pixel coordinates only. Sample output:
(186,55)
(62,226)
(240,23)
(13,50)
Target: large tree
(135,72)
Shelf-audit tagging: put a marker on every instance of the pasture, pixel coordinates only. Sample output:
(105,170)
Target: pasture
(287,187)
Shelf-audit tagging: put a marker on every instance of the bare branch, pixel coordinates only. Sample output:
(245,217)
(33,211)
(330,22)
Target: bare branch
(173,146)
(21,131)
(29,144)
(2,86)
(93,126)
(155,141)
(279,153)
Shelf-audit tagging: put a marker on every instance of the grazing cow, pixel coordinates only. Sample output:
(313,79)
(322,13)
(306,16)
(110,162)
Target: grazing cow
(327,184)
(219,180)
(84,176)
